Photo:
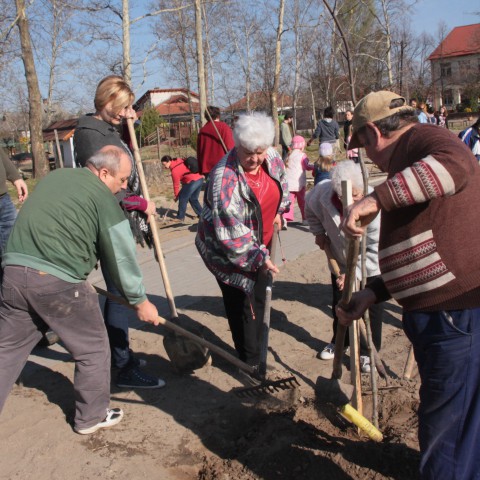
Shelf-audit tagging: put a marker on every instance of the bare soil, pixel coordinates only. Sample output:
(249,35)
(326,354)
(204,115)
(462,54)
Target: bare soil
(195,428)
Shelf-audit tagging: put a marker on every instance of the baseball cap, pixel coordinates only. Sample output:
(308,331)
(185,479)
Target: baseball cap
(325,150)
(374,106)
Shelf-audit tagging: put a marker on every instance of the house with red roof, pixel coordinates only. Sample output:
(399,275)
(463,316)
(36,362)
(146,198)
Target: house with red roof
(455,65)
(173,104)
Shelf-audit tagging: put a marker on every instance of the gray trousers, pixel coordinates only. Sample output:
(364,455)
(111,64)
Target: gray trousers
(33,300)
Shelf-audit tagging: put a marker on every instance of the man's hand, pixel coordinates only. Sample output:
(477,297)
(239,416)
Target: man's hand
(151,208)
(358,304)
(363,211)
(309,142)
(22,189)
(147,312)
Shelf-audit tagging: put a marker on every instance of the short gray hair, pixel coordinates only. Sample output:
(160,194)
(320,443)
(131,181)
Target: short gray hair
(254,130)
(346,170)
(108,157)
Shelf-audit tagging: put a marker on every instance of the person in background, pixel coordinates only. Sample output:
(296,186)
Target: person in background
(244,198)
(442,117)
(296,167)
(191,186)
(324,212)
(71,221)
(352,153)
(422,117)
(325,162)
(8,212)
(211,140)
(327,129)
(430,263)
(471,138)
(347,127)
(113,104)
(286,134)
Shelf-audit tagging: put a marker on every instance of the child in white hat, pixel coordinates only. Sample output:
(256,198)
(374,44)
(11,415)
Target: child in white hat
(296,166)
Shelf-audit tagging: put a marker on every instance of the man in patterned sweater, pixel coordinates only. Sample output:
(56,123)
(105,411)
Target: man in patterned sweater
(429,255)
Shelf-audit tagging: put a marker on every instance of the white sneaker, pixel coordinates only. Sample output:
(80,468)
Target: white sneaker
(114,416)
(365,364)
(327,353)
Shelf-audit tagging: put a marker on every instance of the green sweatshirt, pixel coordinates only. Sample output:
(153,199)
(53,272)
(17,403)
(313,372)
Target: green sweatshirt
(67,224)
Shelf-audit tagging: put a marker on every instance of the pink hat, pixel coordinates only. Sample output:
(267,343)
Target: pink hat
(298,142)
(325,150)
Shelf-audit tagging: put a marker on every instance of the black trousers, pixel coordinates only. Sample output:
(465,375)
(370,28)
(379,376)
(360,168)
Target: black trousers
(245,318)
(375,311)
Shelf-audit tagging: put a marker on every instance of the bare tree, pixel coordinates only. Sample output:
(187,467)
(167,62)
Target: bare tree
(40,167)
(200,61)
(278,66)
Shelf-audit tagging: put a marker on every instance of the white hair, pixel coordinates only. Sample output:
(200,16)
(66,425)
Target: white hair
(346,170)
(254,130)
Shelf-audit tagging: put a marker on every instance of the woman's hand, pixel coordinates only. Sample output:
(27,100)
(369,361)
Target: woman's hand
(278,221)
(151,208)
(269,265)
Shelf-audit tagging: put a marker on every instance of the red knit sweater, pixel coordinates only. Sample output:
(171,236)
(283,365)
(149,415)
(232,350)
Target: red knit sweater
(429,247)
(209,147)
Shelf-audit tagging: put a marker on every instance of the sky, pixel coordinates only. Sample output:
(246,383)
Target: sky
(429,13)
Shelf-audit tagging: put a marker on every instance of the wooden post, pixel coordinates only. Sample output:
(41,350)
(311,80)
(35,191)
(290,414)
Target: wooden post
(59,151)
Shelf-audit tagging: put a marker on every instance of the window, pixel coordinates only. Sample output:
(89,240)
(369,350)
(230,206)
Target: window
(464,68)
(445,69)
(447,97)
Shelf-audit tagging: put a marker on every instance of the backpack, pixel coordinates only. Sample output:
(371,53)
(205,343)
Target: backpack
(192,164)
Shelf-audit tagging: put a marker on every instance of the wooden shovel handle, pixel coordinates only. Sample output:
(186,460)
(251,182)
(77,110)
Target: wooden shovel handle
(151,219)
(185,333)
(353,248)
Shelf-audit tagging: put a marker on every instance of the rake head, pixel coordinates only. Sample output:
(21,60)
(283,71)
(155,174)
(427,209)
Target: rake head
(266,387)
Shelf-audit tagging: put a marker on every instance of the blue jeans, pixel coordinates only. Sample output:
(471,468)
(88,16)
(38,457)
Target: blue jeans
(116,322)
(8,214)
(447,350)
(190,193)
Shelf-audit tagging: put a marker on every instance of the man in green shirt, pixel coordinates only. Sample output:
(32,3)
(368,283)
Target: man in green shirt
(71,221)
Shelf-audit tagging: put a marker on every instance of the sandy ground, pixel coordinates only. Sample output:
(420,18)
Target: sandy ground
(196,428)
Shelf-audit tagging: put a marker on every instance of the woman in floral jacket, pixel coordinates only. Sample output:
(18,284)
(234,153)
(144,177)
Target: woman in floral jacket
(246,195)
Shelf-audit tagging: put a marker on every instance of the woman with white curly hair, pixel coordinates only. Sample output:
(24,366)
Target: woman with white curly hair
(246,194)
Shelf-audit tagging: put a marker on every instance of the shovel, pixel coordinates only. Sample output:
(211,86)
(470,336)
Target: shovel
(186,354)
(265,387)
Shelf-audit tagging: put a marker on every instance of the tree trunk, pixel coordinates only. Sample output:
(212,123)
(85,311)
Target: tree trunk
(200,62)
(40,165)
(127,65)
(276,81)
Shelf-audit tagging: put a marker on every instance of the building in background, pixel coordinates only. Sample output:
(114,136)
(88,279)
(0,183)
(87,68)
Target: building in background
(456,69)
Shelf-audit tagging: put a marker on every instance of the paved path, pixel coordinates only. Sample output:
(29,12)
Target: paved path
(189,278)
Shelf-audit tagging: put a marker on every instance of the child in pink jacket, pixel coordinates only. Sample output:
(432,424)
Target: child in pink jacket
(296,166)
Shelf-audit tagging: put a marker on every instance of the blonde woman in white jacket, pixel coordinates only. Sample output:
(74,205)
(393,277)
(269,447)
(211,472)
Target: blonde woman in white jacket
(323,210)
